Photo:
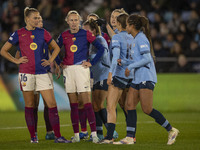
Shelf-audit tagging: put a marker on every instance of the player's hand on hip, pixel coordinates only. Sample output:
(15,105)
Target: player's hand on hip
(86,64)
(22,60)
(127,72)
(45,63)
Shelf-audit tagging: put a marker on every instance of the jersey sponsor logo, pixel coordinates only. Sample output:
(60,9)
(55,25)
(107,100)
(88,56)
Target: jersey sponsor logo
(73,48)
(143,46)
(33,46)
(73,39)
(115,41)
(32,36)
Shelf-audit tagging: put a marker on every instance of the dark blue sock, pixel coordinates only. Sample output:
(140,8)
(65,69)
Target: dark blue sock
(160,119)
(98,123)
(131,123)
(103,115)
(125,114)
(110,131)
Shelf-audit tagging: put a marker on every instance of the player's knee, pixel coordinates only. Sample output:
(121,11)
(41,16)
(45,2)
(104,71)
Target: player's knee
(147,110)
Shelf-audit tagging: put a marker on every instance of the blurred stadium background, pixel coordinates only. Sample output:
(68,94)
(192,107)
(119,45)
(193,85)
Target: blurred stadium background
(175,31)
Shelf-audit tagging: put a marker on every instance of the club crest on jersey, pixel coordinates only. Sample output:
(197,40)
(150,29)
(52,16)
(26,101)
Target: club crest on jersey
(33,46)
(73,39)
(24,84)
(73,48)
(32,36)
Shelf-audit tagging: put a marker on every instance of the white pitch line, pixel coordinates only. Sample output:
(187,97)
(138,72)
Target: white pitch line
(67,125)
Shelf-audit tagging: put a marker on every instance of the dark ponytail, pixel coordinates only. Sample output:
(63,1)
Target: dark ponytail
(142,23)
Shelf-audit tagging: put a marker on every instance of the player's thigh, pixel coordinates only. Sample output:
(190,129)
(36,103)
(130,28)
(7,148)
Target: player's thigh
(28,98)
(132,98)
(49,97)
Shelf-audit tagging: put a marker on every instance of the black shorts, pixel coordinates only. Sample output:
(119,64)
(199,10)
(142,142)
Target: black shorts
(120,82)
(144,85)
(101,85)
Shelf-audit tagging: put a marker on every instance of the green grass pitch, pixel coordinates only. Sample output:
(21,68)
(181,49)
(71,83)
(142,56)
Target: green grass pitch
(14,134)
(177,96)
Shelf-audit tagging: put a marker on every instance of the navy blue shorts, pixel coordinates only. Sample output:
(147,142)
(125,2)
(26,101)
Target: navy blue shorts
(144,85)
(101,85)
(120,82)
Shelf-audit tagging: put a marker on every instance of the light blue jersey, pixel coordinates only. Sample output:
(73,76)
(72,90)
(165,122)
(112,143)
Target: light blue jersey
(121,49)
(101,69)
(143,64)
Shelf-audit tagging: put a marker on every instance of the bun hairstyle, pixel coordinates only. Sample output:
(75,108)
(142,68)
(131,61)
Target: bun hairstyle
(93,25)
(28,11)
(73,12)
(141,23)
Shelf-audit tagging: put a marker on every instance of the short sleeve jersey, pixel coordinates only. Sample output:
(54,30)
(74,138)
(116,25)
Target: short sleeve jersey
(141,46)
(76,46)
(124,42)
(31,44)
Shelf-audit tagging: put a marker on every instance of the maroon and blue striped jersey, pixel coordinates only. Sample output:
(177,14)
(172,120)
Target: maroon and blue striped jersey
(31,44)
(76,46)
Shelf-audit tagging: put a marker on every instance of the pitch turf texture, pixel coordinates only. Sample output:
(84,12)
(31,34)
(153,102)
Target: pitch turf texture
(176,96)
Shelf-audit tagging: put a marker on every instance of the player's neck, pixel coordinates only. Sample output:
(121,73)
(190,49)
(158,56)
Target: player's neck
(74,30)
(28,27)
(134,33)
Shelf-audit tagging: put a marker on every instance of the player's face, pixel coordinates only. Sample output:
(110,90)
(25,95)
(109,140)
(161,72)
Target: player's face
(128,28)
(113,19)
(33,19)
(40,23)
(73,21)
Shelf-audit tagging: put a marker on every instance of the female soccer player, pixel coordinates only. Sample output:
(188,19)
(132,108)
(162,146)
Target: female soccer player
(104,35)
(76,71)
(117,81)
(100,73)
(112,31)
(50,134)
(33,74)
(144,80)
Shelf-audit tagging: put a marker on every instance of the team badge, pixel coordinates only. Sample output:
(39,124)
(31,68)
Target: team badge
(32,36)
(24,84)
(73,48)
(44,51)
(33,46)
(73,39)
